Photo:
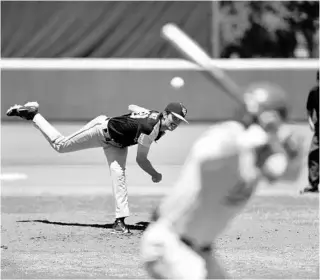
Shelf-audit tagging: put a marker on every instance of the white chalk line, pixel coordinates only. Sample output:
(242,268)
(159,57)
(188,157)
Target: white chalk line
(13,176)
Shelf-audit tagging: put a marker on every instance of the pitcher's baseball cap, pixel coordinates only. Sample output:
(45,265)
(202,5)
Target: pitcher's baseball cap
(177,109)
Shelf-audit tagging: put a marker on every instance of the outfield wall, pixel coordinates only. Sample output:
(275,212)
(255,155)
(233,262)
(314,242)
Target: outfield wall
(80,90)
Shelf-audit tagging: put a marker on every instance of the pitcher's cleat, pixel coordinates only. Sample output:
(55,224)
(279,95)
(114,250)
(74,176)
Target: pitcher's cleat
(120,227)
(27,111)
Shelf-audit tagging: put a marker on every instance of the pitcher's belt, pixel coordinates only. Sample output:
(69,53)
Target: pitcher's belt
(107,137)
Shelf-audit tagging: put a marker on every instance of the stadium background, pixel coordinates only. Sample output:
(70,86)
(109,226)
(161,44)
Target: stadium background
(131,30)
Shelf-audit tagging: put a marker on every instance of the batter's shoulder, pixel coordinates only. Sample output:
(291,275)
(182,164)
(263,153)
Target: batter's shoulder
(227,128)
(219,140)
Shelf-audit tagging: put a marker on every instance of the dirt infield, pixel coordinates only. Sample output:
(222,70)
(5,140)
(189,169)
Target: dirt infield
(57,211)
(70,237)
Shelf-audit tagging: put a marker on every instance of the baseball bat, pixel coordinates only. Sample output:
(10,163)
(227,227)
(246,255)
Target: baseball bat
(193,52)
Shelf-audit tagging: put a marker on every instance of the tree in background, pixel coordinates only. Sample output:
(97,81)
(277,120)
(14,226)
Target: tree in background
(269,28)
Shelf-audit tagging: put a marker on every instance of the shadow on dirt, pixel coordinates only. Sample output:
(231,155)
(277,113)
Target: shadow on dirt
(138,226)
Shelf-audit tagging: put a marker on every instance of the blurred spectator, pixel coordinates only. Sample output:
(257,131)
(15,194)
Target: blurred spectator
(301,50)
(315,48)
(269,29)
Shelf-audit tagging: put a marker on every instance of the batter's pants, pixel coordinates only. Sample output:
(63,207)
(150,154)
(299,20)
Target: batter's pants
(93,135)
(313,162)
(165,256)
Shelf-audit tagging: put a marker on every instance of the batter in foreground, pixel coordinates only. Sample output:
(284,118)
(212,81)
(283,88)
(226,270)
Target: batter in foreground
(220,175)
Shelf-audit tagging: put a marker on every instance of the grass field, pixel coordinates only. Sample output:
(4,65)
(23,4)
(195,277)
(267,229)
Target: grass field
(57,210)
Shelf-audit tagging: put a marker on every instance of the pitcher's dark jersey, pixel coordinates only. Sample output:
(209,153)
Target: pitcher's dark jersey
(136,127)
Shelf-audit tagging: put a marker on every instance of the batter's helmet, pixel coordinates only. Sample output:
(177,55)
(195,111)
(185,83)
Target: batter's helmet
(264,96)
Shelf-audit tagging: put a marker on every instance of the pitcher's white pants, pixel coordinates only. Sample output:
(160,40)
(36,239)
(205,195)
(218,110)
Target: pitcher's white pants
(93,136)
(165,256)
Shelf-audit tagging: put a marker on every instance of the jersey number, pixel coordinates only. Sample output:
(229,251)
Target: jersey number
(140,115)
(143,115)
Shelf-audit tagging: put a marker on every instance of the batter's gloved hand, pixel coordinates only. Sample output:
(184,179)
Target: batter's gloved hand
(293,145)
(291,142)
(157,178)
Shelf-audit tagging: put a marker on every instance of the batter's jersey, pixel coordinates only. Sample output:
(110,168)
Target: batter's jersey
(140,126)
(216,182)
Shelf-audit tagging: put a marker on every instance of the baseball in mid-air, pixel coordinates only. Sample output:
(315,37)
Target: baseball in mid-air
(177,82)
